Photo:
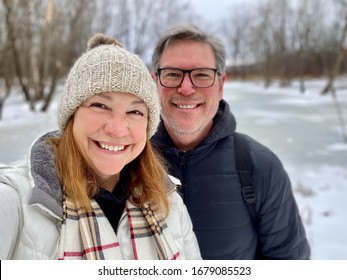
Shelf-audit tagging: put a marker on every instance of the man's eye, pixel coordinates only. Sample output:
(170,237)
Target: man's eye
(172,75)
(202,75)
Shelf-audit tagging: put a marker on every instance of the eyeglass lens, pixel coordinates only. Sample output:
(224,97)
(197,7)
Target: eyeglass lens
(203,77)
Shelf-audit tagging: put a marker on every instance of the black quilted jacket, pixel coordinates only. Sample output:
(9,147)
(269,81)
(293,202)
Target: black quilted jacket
(212,193)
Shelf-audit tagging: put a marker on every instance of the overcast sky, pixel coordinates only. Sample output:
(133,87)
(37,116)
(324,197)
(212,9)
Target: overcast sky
(216,8)
(211,8)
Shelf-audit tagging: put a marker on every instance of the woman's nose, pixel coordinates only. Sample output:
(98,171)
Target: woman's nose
(116,127)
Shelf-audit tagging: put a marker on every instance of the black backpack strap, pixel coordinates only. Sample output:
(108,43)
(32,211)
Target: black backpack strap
(244,169)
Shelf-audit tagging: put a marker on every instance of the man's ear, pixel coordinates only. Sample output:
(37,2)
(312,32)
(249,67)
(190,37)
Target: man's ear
(154,76)
(221,85)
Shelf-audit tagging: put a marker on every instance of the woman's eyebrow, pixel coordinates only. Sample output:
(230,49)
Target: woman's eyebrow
(109,98)
(103,95)
(140,101)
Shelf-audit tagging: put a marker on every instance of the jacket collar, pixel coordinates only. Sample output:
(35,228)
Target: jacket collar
(224,124)
(46,188)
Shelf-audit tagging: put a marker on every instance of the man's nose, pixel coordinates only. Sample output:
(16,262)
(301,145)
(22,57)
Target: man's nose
(186,87)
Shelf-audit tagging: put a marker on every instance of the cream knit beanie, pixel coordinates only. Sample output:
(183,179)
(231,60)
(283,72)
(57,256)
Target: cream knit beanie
(108,67)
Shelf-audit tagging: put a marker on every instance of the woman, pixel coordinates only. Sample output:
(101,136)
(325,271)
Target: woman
(96,189)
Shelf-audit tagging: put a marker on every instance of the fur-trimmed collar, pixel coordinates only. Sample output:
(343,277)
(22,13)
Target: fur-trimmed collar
(46,189)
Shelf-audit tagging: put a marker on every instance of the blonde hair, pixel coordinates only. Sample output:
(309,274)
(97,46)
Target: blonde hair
(148,176)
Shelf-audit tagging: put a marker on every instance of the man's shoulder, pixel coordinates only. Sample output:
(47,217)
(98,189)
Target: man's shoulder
(257,148)
(262,156)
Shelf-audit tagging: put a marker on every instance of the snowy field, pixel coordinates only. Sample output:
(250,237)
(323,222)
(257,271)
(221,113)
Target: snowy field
(303,130)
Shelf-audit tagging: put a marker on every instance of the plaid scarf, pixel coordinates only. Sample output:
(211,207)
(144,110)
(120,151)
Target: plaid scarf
(89,235)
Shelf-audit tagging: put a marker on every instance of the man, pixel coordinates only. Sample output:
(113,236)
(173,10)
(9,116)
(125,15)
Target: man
(196,138)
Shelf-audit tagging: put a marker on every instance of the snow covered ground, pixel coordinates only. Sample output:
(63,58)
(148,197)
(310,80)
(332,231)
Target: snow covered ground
(303,130)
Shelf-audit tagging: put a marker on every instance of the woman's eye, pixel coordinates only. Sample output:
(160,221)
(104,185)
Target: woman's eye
(98,106)
(136,113)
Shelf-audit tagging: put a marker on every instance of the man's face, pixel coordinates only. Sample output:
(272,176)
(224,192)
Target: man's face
(188,110)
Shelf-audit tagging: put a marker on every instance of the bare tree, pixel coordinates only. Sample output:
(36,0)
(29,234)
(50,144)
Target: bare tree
(263,41)
(6,69)
(335,71)
(237,32)
(11,37)
(285,39)
(6,75)
(281,20)
(340,47)
(305,34)
(42,38)
(138,24)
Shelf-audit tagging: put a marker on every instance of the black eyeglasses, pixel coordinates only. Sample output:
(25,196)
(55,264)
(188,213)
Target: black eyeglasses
(199,77)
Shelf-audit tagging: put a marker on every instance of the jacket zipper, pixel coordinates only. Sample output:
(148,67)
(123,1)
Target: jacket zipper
(183,168)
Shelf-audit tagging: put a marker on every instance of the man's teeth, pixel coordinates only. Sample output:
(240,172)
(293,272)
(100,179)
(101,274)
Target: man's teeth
(111,148)
(186,106)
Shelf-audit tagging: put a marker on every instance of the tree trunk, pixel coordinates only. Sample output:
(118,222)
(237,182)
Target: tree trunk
(8,86)
(12,43)
(48,98)
(339,57)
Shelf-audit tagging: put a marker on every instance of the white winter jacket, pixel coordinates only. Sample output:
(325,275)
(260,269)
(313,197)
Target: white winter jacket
(31,213)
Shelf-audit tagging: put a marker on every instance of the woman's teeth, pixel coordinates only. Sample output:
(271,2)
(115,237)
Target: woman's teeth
(111,148)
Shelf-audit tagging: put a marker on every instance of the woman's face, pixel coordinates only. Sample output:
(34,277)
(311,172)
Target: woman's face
(110,130)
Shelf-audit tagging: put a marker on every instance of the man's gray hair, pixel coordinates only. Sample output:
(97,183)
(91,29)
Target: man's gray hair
(189,33)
